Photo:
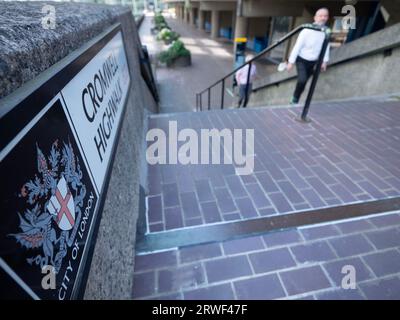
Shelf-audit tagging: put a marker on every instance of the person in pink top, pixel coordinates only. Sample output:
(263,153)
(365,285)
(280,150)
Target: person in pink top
(241,80)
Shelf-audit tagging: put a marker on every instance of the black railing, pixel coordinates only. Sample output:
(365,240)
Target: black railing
(222,81)
(147,72)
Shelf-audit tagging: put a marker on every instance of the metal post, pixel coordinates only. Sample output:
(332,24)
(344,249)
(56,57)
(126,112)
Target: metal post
(315,79)
(197,102)
(222,93)
(246,97)
(209,98)
(201,102)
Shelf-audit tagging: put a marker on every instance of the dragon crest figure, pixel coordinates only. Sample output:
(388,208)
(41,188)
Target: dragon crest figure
(54,199)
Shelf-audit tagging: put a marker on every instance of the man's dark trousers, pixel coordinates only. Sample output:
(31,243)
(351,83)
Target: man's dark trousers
(305,69)
(244,94)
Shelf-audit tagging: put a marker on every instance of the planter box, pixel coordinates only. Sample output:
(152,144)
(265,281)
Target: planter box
(184,61)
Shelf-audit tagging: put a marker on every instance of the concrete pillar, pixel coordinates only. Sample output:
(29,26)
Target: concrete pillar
(241,27)
(201,14)
(177,11)
(214,23)
(186,15)
(241,24)
(191,16)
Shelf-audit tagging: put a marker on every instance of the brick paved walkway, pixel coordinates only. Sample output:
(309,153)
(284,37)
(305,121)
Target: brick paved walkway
(303,263)
(211,60)
(348,154)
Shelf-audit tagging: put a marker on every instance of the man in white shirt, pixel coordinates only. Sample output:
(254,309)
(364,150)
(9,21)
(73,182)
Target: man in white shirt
(241,79)
(306,51)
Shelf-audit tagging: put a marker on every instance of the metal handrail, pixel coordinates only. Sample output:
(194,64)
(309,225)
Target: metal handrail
(256,57)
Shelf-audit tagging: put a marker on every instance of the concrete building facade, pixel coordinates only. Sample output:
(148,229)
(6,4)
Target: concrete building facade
(263,22)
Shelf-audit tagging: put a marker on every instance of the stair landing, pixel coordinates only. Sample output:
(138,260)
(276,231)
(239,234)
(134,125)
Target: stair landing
(344,165)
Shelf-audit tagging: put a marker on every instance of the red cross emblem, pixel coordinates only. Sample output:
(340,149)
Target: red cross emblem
(62,206)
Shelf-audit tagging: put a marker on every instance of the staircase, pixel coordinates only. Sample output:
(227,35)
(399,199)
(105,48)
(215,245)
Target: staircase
(322,194)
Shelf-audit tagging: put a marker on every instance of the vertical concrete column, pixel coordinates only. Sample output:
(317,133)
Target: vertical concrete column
(241,27)
(233,22)
(186,15)
(183,13)
(191,16)
(177,11)
(201,14)
(241,24)
(214,23)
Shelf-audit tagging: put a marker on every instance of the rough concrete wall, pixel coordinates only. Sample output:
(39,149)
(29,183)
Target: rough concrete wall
(27,49)
(26,52)
(369,76)
(348,75)
(111,272)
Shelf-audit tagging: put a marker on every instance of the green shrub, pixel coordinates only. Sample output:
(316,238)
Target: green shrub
(167,35)
(163,26)
(177,49)
(160,22)
(159,18)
